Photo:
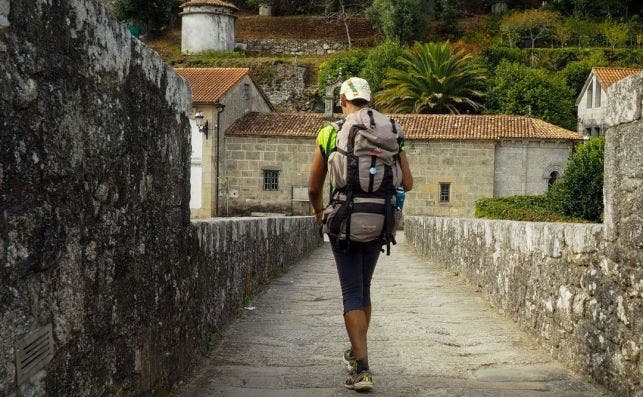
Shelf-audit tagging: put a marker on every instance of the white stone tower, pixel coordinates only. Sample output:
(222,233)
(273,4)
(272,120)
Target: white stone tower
(207,25)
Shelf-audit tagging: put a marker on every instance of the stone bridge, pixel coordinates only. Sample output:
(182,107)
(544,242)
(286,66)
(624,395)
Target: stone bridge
(108,288)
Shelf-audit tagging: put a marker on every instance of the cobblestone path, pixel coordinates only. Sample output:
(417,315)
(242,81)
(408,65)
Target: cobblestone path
(431,335)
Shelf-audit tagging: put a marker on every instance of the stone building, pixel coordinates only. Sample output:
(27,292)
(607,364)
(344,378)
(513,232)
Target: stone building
(207,25)
(455,160)
(593,99)
(221,96)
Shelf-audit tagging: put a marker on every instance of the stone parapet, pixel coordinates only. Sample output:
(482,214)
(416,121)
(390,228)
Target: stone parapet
(555,281)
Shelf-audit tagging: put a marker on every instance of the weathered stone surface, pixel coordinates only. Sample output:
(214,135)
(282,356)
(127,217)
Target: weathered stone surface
(95,232)
(626,101)
(293,47)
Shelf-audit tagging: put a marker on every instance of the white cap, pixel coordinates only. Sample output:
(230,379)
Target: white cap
(355,88)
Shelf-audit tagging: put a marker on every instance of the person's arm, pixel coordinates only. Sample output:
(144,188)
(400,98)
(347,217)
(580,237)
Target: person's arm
(316,185)
(407,177)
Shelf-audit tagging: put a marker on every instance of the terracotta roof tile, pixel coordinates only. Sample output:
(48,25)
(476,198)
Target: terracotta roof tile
(209,2)
(416,126)
(210,84)
(609,76)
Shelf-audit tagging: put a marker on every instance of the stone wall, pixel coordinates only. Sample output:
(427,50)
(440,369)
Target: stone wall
(578,287)
(524,167)
(291,87)
(466,165)
(292,47)
(248,157)
(95,232)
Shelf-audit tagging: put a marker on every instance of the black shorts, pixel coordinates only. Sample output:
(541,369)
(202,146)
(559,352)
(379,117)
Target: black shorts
(355,268)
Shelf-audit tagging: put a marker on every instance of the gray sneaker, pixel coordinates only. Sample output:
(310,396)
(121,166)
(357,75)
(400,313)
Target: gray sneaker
(360,382)
(349,361)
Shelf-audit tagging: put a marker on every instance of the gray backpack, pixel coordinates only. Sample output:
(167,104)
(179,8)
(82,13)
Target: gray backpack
(364,171)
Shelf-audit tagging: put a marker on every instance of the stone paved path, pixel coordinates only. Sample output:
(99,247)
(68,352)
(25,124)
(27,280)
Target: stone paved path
(431,335)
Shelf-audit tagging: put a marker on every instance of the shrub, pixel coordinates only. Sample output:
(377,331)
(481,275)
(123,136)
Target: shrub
(378,61)
(579,193)
(350,63)
(521,90)
(520,208)
(401,20)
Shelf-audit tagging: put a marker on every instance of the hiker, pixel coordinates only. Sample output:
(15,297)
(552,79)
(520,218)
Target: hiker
(359,220)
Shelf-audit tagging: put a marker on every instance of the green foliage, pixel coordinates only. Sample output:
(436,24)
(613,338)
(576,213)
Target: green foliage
(401,20)
(520,208)
(579,193)
(575,75)
(378,61)
(153,15)
(350,63)
(521,90)
(556,59)
(433,78)
(616,34)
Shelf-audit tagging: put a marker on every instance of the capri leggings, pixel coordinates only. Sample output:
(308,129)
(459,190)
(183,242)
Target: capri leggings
(355,269)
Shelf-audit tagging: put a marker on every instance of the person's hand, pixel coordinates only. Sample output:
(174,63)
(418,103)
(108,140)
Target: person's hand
(319,216)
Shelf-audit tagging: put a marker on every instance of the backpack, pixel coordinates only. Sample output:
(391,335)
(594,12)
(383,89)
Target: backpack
(364,172)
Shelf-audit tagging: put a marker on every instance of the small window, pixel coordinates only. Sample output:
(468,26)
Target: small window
(588,131)
(597,96)
(552,178)
(445,192)
(270,180)
(590,94)
(246,91)
(597,131)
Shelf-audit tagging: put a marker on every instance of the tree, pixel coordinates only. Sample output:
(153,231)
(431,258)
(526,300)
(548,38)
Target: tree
(532,25)
(154,15)
(433,78)
(378,61)
(342,10)
(401,20)
(579,193)
(522,90)
(615,33)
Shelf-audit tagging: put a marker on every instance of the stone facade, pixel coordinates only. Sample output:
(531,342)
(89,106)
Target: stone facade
(95,237)
(207,27)
(248,157)
(242,98)
(472,169)
(526,167)
(467,166)
(292,47)
(577,287)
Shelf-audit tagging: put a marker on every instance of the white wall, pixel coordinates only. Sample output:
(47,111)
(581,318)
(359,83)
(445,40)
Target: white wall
(203,29)
(196,170)
(590,117)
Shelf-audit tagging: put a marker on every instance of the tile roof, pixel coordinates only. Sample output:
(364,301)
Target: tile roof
(609,76)
(209,2)
(210,84)
(416,126)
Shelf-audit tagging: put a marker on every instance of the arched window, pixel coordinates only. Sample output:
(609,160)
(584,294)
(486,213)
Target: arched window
(553,176)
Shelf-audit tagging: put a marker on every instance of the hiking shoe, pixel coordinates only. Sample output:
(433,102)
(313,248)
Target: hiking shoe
(349,361)
(360,382)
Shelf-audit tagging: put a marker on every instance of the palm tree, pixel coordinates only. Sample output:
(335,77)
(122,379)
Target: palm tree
(433,78)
